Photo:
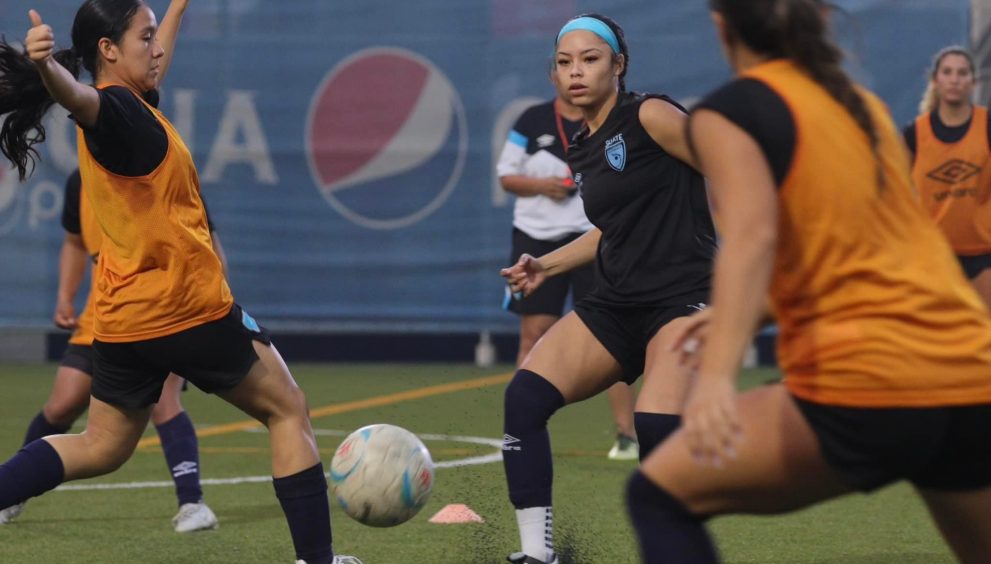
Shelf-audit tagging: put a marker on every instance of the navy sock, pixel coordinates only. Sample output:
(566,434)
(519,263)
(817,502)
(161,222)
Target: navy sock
(40,427)
(182,454)
(34,470)
(526,449)
(668,532)
(303,497)
(653,428)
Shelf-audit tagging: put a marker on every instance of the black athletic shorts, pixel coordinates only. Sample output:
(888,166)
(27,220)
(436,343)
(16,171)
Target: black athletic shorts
(625,332)
(215,357)
(974,265)
(942,448)
(550,297)
(79,357)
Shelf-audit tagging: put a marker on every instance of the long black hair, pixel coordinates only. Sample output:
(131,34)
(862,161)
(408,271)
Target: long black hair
(23,96)
(796,30)
(620,38)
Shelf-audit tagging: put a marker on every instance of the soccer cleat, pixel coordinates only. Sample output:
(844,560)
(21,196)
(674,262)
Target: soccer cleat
(521,558)
(9,514)
(625,448)
(339,559)
(194,517)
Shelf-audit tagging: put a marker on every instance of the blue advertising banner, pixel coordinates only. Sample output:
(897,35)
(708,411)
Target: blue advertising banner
(346,149)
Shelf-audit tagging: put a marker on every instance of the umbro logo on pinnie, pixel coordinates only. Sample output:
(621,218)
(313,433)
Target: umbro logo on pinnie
(509,443)
(545,140)
(616,153)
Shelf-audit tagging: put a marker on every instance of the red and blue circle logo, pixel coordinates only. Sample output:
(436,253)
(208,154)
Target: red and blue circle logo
(386,138)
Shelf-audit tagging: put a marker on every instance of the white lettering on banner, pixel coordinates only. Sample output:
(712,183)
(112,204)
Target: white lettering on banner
(60,140)
(45,203)
(240,116)
(184,115)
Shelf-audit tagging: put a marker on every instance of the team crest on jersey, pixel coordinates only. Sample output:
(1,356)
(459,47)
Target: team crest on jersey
(545,140)
(616,153)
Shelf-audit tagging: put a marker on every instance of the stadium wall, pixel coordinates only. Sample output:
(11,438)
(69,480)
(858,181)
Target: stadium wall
(346,149)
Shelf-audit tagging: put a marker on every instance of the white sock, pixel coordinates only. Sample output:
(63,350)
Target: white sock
(537,531)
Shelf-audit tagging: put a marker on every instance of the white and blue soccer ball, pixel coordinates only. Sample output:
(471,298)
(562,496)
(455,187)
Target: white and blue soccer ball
(382,475)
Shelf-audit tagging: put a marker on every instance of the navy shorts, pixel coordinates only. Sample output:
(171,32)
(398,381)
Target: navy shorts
(625,332)
(79,357)
(551,296)
(215,357)
(940,448)
(974,265)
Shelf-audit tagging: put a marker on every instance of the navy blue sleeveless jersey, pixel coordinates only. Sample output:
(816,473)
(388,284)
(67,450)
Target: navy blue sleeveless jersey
(658,239)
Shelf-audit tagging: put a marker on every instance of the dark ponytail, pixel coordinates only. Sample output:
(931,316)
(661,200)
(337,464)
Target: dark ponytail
(23,103)
(796,30)
(23,96)
(620,38)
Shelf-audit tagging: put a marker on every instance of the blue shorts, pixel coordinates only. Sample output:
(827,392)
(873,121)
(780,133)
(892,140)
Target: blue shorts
(625,332)
(938,448)
(215,357)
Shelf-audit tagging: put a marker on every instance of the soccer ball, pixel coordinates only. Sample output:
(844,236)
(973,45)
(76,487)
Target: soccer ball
(382,475)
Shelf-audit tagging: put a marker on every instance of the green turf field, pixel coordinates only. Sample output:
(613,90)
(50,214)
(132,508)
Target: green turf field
(132,525)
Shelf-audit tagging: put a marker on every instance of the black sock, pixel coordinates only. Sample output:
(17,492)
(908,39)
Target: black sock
(40,427)
(34,470)
(526,450)
(653,428)
(668,532)
(182,454)
(303,497)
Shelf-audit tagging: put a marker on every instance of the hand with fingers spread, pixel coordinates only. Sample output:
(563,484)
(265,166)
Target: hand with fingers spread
(39,44)
(525,276)
(710,420)
(689,340)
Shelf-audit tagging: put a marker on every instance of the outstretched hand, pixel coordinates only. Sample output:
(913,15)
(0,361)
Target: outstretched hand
(689,339)
(525,276)
(39,44)
(710,420)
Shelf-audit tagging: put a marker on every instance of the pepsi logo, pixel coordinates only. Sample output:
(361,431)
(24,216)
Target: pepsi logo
(386,138)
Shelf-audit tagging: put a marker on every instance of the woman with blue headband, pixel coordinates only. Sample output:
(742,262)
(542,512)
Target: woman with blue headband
(884,345)
(652,245)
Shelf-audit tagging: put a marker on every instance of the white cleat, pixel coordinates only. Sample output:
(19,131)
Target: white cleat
(9,514)
(625,448)
(194,517)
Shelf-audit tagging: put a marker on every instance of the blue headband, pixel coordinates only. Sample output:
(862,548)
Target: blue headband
(594,25)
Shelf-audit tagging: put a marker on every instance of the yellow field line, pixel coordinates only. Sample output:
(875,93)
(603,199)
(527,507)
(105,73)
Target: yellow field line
(338,408)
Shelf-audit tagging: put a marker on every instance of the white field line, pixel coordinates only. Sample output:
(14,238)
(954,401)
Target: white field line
(470,461)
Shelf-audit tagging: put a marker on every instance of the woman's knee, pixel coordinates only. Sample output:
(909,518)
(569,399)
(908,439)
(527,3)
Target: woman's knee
(62,411)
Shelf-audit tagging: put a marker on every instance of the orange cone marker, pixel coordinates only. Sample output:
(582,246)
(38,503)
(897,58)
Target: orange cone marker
(456,513)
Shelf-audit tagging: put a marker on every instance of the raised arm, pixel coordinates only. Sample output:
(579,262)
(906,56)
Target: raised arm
(82,101)
(743,186)
(168,32)
(665,124)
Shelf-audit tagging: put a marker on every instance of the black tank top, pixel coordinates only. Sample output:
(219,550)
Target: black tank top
(658,240)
